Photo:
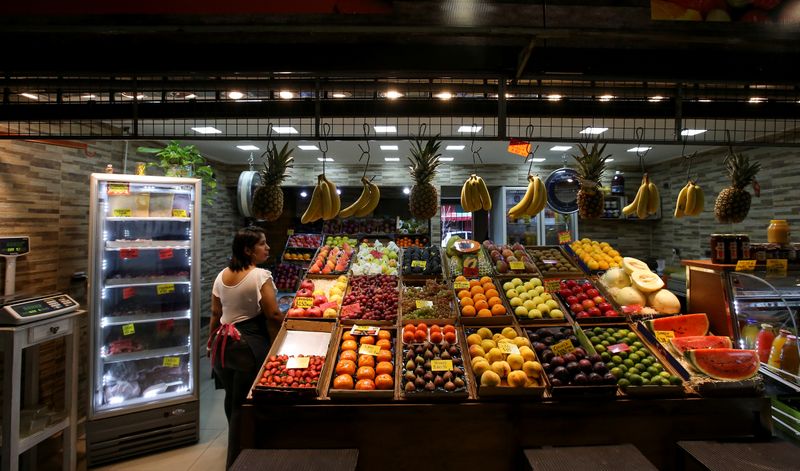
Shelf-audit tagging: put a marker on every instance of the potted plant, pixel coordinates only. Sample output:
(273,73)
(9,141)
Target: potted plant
(184,161)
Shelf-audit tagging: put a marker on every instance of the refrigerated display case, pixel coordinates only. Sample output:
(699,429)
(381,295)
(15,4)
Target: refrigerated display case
(542,229)
(455,221)
(144,303)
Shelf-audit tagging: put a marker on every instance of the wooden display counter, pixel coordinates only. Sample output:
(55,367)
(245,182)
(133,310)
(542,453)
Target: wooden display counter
(491,436)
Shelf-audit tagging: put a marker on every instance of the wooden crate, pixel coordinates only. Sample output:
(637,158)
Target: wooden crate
(531,321)
(368,321)
(438,394)
(577,271)
(406,283)
(375,395)
(506,319)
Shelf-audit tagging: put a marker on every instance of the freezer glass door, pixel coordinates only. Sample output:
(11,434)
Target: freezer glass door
(455,221)
(142,285)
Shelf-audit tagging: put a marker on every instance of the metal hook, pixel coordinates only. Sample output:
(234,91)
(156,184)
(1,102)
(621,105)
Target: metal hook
(250,161)
(639,153)
(423,127)
(270,142)
(531,153)
(326,130)
(365,151)
(687,158)
(476,153)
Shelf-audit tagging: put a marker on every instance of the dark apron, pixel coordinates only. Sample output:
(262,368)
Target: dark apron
(252,332)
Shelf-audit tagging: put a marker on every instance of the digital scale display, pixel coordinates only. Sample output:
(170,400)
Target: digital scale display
(10,246)
(35,309)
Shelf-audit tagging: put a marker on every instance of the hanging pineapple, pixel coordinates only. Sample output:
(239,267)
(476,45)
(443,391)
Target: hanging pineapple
(424,200)
(591,165)
(268,197)
(733,202)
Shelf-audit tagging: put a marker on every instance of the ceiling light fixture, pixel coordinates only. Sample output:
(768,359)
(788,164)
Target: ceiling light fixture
(560,148)
(536,159)
(385,128)
(130,96)
(593,130)
(756,99)
(606,97)
(284,129)
(88,97)
(703,100)
(609,160)
(286,94)
(340,94)
(655,99)
(638,149)
(392,159)
(327,159)
(406,191)
(248,147)
(30,95)
(392,95)
(207,130)
(444,95)
(692,132)
(303,194)
(461,147)
(190,96)
(469,128)
(388,147)
(446,159)
(308,147)
(338,191)
(553,97)
(235,95)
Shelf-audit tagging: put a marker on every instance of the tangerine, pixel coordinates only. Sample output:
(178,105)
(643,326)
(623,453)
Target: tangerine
(484,313)
(473,283)
(487,286)
(491,293)
(345,367)
(365,372)
(461,278)
(349,355)
(384,355)
(468,311)
(348,336)
(467,302)
(367,340)
(384,367)
(481,305)
(479,297)
(385,344)
(366,360)
(485,279)
(463,294)
(343,382)
(349,345)
(494,300)
(384,382)
(498,310)
(384,334)
(476,290)
(365,385)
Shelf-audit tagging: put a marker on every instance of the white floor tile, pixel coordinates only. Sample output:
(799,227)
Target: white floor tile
(178,459)
(214,457)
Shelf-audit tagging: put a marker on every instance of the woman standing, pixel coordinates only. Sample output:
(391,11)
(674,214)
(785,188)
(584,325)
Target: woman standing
(242,302)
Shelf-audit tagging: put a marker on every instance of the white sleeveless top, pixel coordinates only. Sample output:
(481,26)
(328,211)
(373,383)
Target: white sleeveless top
(242,301)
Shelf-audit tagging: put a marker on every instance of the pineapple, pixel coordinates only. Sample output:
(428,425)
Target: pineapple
(591,165)
(733,202)
(268,197)
(424,200)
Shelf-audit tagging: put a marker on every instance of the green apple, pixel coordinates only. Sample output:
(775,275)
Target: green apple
(516,301)
(516,281)
(556,314)
(537,300)
(535,314)
(546,296)
(536,282)
(521,311)
(508,285)
(529,305)
(544,308)
(512,293)
(552,304)
(539,289)
(524,296)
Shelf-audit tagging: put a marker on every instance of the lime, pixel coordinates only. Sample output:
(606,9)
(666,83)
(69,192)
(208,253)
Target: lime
(616,359)
(623,383)
(605,356)
(616,372)
(623,368)
(605,343)
(645,381)
(664,381)
(623,354)
(646,375)
(594,339)
(652,370)
(664,374)
(600,348)
(632,338)
(624,331)
(637,344)
(633,371)
(658,367)
(628,362)
(597,330)
(675,380)
(647,361)
(636,380)
(634,357)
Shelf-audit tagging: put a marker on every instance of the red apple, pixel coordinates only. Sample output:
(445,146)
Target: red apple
(565,293)
(581,297)
(587,286)
(598,299)
(571,300)
(307,284)
(295,312)
(587,303)
(604,307)
(314,312)
(577,307)
(571,283)
(304,293)
(611,313)
(592,292)
(594,311)
(581,315)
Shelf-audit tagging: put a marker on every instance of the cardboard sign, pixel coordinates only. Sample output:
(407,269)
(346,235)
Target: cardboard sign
(304,302)
(564,237)
(297,363)
(441,365)
(509,348)
(365,330)
(419,263)
(369,350)
(563,347)
(664,336)
(619,347)
(171,362)
(459,285)
(119,189)
(128,329)
(128,293)
(519,147)
(423,303)
(777,267)
(179,213)
(123,213)
(165,288)
(552,286)
(517,265)
(165,254)
(745,265)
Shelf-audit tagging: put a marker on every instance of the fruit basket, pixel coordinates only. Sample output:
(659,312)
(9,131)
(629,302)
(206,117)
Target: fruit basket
(332,261)
(371,300)
(319,298)
(304,241)
(510,259)
(422,262)
(638,370)
(295,255)
(553,261)
(285,373)
(479,302)
(432,364)
(365,366)
(426,301)
(592,256)
(572,366)
(503,363)
(586,303)
(340,241)
(531,302)
(376,258)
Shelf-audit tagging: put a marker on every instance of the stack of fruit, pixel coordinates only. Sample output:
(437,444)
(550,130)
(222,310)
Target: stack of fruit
(318,298)
(340,241)
(433,300)
(530,301)
(365,369)
(479,299)
(630,361)
(306,241)
(360,226)
(275,373)
(551,261)
(584,300)
(405,241)
(422,261)
(596,255)
(287,276)
(376,259)
(638,290)
(502,358)
(296,255)
(432,361)
(509,258)
(331,261)
(573,367)
(456,261)
(372,298)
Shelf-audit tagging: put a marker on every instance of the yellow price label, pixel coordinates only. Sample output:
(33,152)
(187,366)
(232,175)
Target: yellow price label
(123,213)
(369,350)
(179,213)
(128,329)
(304,302)
(117,189)
(664,336)
(517,265)
(165,288)
(419,263)
(461,285)
(777,266)
(297,363)
(365,330)
(564,237)
(441,365)
(509,348)
(745,265)
(423,303)
(171,362)
(289,232)
(563,347)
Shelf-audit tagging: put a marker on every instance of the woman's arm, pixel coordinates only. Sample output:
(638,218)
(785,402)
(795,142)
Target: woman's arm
(269,303)
(216,315)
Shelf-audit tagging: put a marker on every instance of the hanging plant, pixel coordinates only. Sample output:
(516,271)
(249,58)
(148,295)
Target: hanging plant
(184,161)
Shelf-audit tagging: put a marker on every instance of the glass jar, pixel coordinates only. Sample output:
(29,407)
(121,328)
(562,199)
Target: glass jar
(778,232)
(790,357)
(777,348)
(743,242)
(764,342)
(773,251)
(719,248)
(747,340)
(758,252)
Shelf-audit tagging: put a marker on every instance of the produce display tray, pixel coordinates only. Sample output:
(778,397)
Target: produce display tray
(420,276)
(487,253)
(406,283)
(533,253)
(507,319)
(438,394)
(370,321)
(596,320)
(324,278)
(528,321)
(369,395)
(333,272)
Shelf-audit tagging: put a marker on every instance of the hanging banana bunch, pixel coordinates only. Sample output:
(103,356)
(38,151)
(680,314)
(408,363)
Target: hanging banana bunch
(533,202)
(691,200)
(475,195)
(324,202)
(366,202)
(646,201)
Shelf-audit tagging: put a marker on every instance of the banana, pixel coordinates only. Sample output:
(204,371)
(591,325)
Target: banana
(374,199)
(518,210)
(641,207)
(471,196)
(653,198)
(464,199)
(358,204)
(542,198)
(691,196)
(538,198)
(314,210)
(631,208)
(327,204)
(336,202)
(680,205)
(475,194)
(483,194)
(699,201)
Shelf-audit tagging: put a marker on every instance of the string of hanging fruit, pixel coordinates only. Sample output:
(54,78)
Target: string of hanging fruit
(423,201)
(474,193)
(535,198)
(325,202)
(370,193)
(647,197)
(691,199)
(733,202)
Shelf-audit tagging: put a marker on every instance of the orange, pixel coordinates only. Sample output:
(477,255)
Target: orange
(476,290)
(491,293)
(498,310)
(348,336)
(481,305)
(384,367)
(408,327)
(468,311)
(473,283)
(493,301)
(422,326)
(484,313)
(365,372)
(384,381)
(349,355)
(450,337)
(385,344)
(384,355)
(479,297)
(345,367)
(485,279)
(384,334)
(367,340)
(461,278)
(365,385)
(366,360)
(435,328)
(349,345)
(487,286)
(467,302)
(436,337)
(343,382)
(421,335)
(463,293)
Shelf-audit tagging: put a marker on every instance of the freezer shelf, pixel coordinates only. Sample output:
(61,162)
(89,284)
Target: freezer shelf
(145,281)
(151,317)
(147,244)
(31,441)
(144,354)
(147,218)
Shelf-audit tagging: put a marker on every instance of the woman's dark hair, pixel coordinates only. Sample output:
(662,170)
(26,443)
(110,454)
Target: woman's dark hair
(245,238)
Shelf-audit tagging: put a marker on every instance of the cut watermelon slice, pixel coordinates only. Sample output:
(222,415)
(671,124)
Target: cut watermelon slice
(724,363)
(701,342)
(687,325)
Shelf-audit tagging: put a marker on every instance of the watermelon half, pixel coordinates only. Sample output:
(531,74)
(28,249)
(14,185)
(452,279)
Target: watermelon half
(687,325)
(700,342)
(724,363)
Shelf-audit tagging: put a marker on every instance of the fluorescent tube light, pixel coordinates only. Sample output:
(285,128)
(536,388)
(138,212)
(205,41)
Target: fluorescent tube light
(392,159)
(461,147)
(639,149)
(327,159)
(249,147)
(308,147)
(446,159)
(284,129)
(692,132)
(206,130)
(469,128)
(560,148)
(591,130)
(389,148)
(385,128)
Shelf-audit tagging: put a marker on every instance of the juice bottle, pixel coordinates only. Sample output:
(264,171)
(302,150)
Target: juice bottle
(777,349)
(618,184)
(764,342)
(747,340)
(790,357)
